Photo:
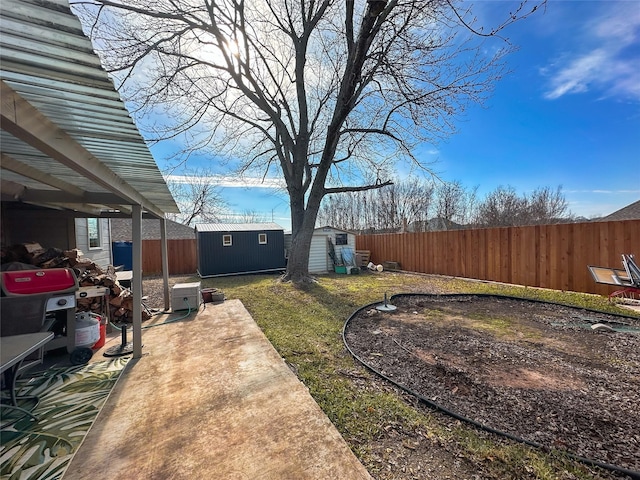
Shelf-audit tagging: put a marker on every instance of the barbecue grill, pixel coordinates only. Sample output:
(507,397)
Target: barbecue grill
(42,300)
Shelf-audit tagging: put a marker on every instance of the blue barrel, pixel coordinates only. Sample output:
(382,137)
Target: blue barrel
(122,254)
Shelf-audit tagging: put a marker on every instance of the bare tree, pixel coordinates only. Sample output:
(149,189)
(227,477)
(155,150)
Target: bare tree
(451,203)
(503,207)
(404,205)
(548,206)
(249,216)
(197,196)
(327,93)
(419,204)
(414,205)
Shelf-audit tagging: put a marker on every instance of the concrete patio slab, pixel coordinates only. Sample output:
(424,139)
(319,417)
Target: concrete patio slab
(212,399)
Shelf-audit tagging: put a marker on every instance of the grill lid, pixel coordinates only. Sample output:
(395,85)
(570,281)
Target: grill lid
(31,282)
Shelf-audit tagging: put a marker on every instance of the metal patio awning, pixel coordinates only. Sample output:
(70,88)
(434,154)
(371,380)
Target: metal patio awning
(67,140)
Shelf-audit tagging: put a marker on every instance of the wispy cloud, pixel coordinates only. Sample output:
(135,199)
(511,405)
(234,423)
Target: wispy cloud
(610,61)
(229,182)
(607,192)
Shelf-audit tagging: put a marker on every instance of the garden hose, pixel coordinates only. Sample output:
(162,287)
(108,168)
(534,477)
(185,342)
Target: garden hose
(166,322)
(588,461)
(172,320)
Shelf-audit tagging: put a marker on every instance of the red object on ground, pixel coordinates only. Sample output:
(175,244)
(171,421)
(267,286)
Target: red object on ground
(103,336)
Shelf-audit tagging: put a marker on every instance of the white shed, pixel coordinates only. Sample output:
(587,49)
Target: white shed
(319,260)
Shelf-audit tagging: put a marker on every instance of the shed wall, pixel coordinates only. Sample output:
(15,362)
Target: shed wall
(243,256)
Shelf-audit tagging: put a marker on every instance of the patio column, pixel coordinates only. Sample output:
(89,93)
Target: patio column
(136,281)
(165,262)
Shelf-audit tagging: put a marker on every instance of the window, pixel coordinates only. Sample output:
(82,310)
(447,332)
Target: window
(93,232)
(227,241)
(262,238)
(341,239)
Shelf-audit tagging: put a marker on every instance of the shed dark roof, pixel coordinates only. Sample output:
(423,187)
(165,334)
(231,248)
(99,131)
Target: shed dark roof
(237,227)
(121,230)
(630,212)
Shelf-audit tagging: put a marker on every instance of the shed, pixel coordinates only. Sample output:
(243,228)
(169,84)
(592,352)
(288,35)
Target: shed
(232,248)
(319,259)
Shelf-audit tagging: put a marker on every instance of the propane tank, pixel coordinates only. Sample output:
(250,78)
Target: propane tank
(87,329)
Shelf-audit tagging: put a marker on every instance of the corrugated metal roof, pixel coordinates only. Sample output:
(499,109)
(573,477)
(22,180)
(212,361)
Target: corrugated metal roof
(237,227)
(67,139)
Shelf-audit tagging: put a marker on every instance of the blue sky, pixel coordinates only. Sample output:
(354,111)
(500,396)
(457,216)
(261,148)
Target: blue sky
(567,115)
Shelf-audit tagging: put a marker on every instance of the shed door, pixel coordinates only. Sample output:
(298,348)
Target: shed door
(318,259)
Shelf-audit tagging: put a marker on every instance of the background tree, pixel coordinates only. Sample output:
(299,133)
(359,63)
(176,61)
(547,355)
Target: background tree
(327,93)
(503,207)
(548,206)
(197,196)
(418,206)
(404,205)
(249,216)
(454,204)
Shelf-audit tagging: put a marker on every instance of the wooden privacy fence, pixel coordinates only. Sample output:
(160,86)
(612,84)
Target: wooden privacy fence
(548,256)
(182,256)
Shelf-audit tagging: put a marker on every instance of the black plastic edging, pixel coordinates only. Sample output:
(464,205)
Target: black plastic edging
(635,475)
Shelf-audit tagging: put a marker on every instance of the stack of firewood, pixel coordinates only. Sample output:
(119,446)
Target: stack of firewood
(88,273)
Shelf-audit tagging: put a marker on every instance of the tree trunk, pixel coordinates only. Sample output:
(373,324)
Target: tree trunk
(303,221)
(298,263)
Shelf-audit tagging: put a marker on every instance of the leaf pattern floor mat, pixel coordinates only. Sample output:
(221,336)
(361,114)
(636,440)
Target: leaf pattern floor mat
(70,400)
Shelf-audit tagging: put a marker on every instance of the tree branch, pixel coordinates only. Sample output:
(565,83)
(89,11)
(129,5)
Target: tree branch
(329,191)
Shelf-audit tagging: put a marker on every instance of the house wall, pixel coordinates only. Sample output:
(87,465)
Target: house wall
(99,255)
(51,229)
(243,256)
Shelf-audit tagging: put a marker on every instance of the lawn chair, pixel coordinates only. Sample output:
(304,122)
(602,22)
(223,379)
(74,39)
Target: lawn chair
(628,278)
(632,269)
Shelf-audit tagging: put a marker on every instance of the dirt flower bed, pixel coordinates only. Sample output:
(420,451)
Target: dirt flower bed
(535,370)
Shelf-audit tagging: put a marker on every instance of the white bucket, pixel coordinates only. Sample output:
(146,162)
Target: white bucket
(87,329)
